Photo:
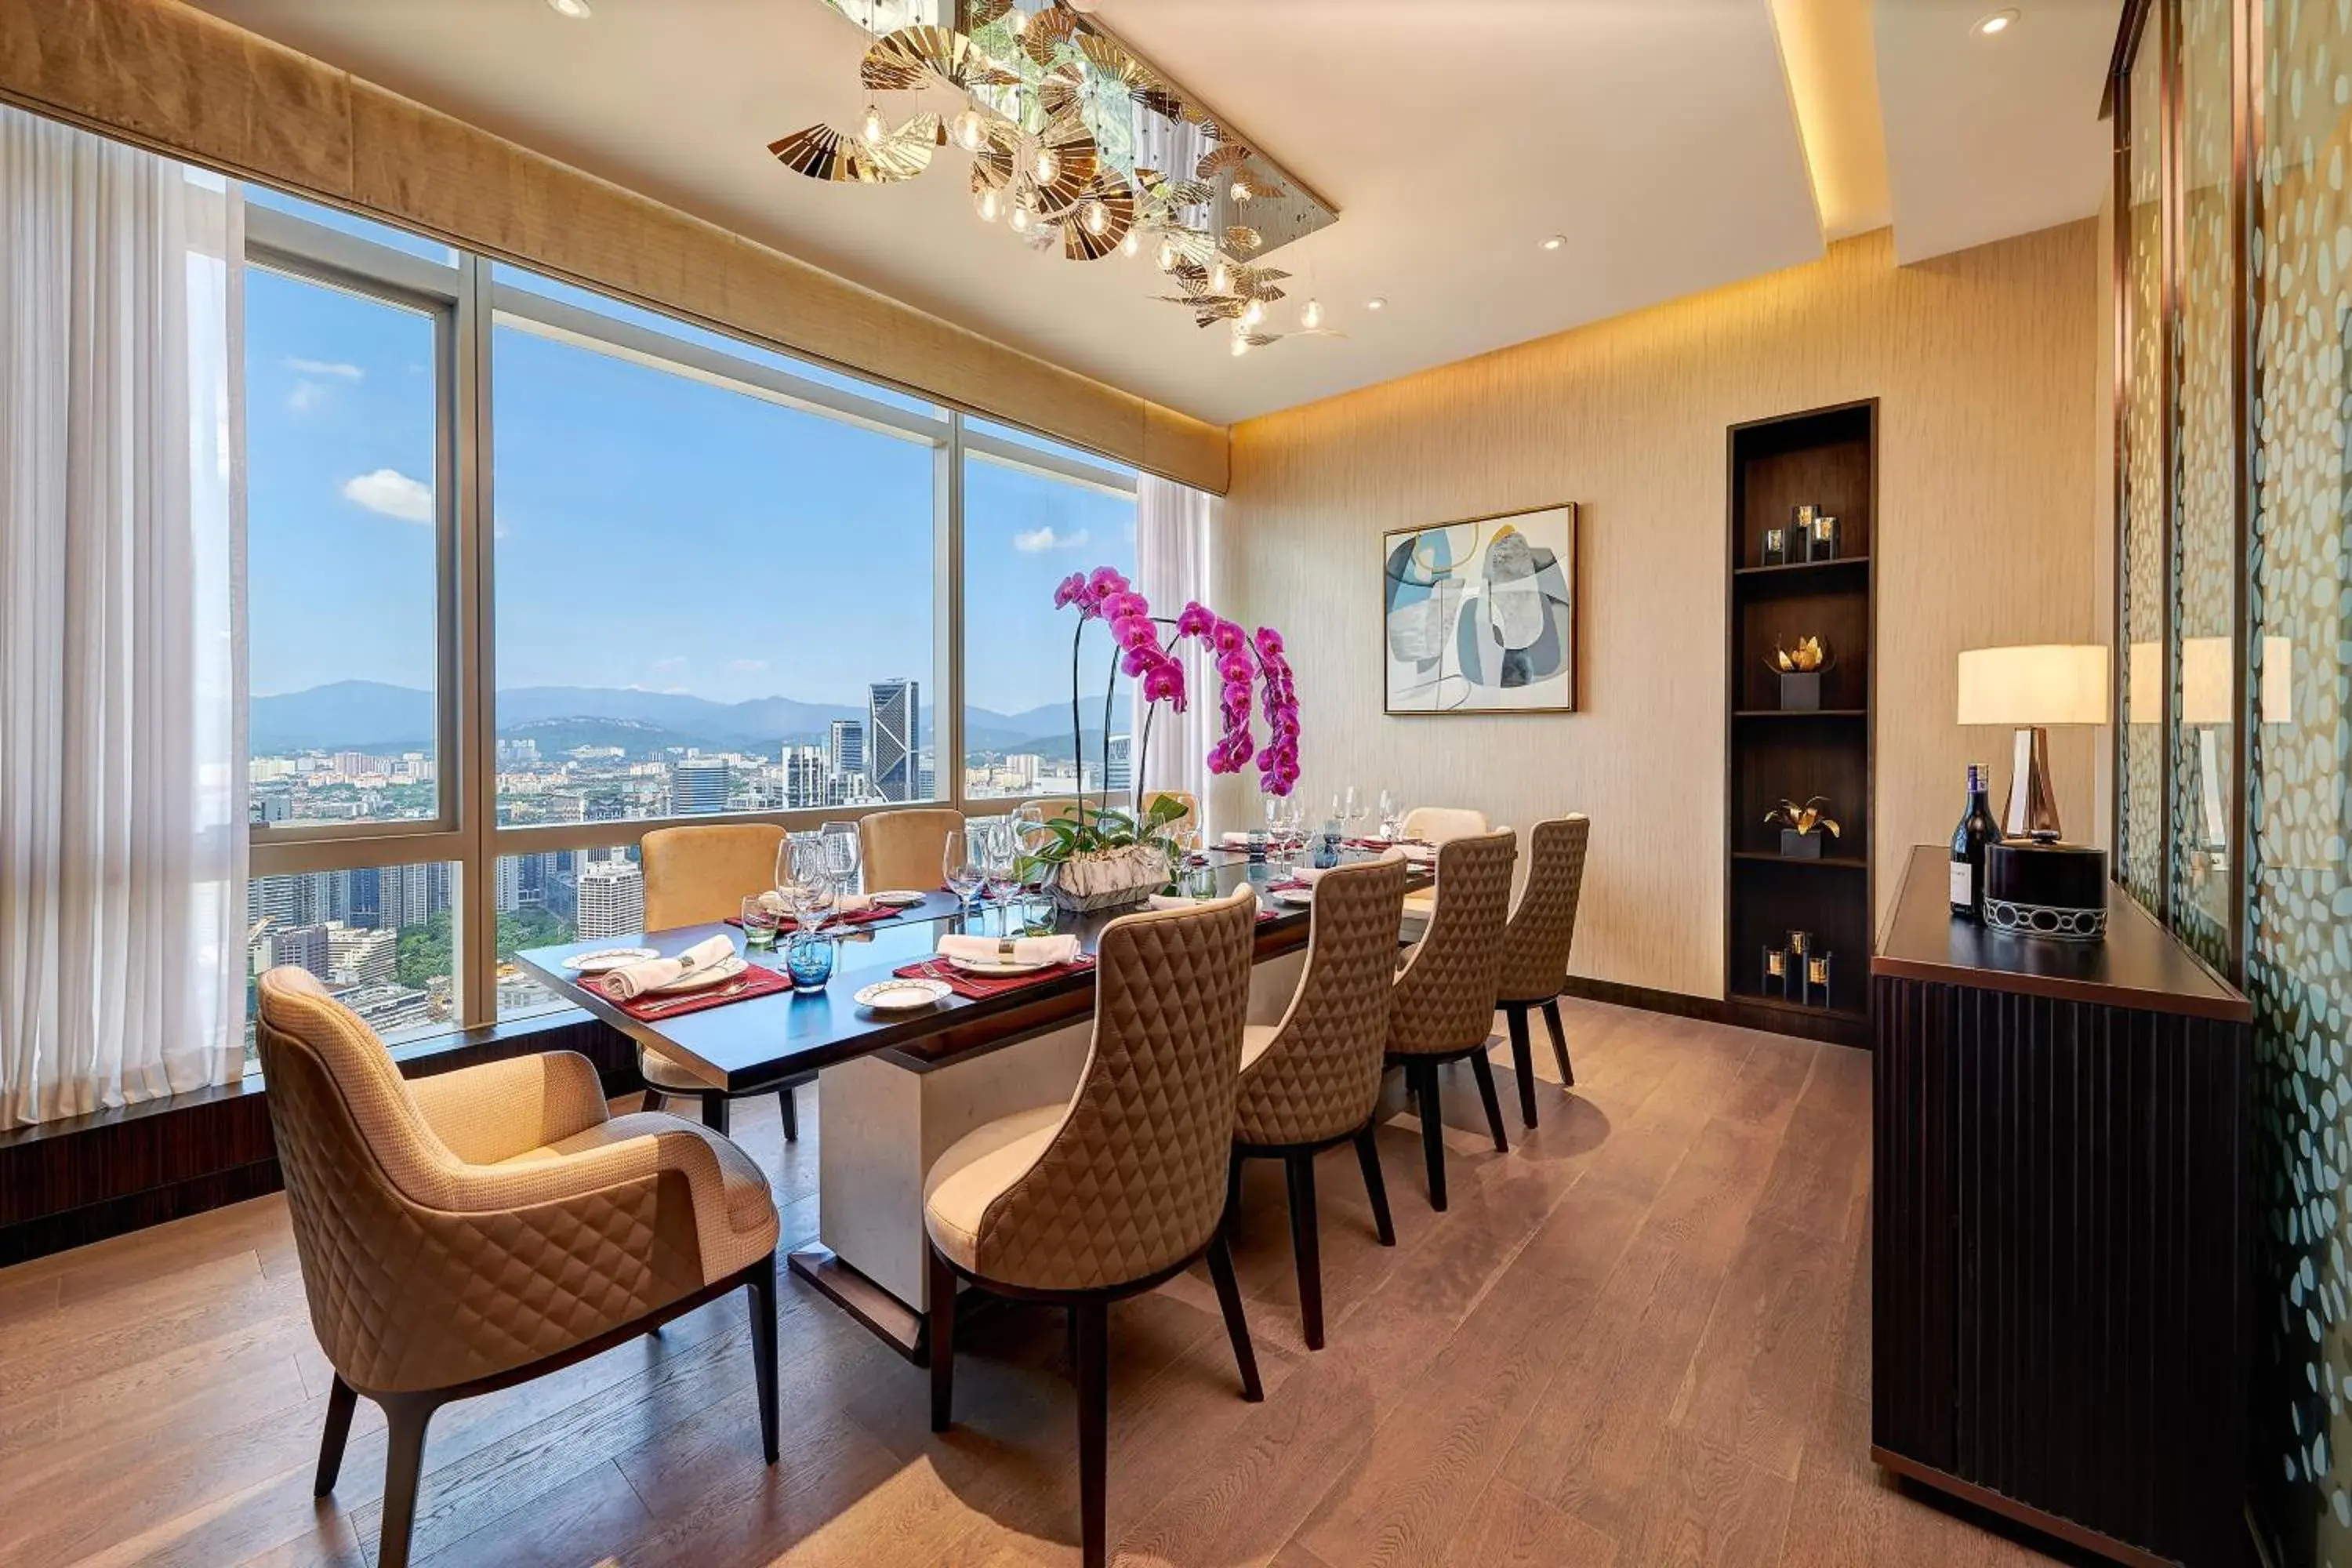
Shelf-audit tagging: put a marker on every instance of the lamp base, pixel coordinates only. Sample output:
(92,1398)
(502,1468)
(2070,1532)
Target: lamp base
(2033,811)
(2041,888)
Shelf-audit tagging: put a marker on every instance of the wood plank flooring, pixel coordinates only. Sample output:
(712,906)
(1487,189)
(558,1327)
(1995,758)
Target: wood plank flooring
(1642,1337)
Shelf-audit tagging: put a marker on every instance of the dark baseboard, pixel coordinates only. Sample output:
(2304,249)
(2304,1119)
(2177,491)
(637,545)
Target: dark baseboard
(81,1179)
(1807,1025)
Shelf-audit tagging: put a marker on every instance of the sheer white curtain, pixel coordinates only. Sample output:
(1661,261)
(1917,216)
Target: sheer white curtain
(1173,523)
(122,642)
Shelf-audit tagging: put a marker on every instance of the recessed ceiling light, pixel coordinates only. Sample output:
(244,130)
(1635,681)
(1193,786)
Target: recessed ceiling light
(574,10)
(1375,303)
(1997,23)
(1555,242)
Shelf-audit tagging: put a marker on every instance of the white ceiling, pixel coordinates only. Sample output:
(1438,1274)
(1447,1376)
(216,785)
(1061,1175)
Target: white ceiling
(1990,137)
(1451,135)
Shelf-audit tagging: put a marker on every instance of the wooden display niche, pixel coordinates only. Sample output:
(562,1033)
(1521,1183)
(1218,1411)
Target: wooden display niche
(1828,457)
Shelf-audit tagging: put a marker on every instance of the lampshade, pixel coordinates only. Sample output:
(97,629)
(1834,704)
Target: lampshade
(2205,681)
(2036,684)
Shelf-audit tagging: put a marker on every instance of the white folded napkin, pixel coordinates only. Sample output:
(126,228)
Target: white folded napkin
(625,985)
(1025,949)
(1174,901)
(1235,838)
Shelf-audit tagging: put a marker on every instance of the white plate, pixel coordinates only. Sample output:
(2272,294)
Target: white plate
(603,961)
(904,995)
(701,979)
(992,967)
(1294,895)
(898,898)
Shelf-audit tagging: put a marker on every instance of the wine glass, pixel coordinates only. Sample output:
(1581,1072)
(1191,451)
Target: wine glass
(959,868)
(1032,840)
(999,859)
(811,890)
(1392,814)
(840,841)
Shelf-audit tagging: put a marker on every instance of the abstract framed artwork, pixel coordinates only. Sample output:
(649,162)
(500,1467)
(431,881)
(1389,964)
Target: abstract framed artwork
(1479,616)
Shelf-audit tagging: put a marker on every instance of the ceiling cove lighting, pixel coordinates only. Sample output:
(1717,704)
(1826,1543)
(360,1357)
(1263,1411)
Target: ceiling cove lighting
(571,10)
(1992,26)
(1028,77)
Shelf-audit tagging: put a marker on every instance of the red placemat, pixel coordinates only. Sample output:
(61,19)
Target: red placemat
(867,916)
(757,980)
(975,988)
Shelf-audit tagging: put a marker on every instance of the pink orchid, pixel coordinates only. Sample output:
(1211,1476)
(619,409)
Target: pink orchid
(1196,620)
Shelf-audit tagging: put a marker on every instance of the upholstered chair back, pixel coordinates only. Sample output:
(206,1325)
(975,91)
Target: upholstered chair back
(1438,824)
(699,875)
(1190,802)
(1443,1000)
(904,850)
(1134,1180)
(424,1272)
(1535,948)
(1319,1076)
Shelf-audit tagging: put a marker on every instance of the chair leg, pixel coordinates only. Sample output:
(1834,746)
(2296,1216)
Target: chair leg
(1376,1188)
(1483,1071)
(1233,1190)
(341,1400)
(406,1416)
(1298,1167)
(791,1116)
(763,1348)
(1522,1063)
(1558,1043)
(1091,1316)
(714,1110)
(942,1342)
(1229,1301)
(1423,1078)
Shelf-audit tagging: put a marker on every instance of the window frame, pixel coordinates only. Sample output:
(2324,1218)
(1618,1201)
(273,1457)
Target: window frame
(469,305)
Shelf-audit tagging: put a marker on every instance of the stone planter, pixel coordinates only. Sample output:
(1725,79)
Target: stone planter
(1106,879)
(1796,845)
(1800,692)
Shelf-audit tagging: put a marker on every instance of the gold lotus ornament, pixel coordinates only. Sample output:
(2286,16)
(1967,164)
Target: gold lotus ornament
(1809,655)
(1803,819)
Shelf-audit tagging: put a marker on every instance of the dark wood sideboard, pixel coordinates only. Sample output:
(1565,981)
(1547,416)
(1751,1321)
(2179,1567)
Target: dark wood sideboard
(2061,1228)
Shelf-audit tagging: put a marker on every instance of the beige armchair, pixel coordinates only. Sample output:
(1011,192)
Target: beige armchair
(1536,945)
(1442,1008)
(700,876)
(905,850)
(1122,1187)
(1313,1079)
(476,1230)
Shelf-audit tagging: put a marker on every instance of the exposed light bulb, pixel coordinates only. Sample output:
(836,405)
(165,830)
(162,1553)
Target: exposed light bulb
(1021,217)
(969,130)
(1253,314)
(1310,315)
(1220,279)
(873,127)
(1133,244)
(1048,166)
(1167,255)
(1241,345)
(1241,191)
(983,202)
(1098,218)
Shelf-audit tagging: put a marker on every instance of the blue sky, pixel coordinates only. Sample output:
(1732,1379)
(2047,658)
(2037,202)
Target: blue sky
(652,530)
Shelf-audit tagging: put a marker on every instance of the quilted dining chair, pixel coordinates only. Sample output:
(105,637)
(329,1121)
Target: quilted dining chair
(700,876)
(1437,824)
(1536,945)
(1120,1188)
(1311,1081)
(470,1231)
(906,850)
(1442,1008)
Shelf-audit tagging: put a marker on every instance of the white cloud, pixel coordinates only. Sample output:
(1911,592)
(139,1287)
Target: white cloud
(393,493)
(306,395)
(747,665)
(336,368)
(1031,541)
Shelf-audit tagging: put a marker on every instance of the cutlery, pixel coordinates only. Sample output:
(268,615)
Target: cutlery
(732,988)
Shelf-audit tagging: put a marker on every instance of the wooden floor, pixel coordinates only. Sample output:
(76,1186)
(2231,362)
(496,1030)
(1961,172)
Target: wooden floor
(1640,1338)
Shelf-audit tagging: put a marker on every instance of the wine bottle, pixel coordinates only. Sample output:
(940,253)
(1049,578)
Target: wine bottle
(1977,830)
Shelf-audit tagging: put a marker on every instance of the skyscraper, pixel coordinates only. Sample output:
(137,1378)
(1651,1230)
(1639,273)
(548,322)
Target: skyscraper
(804,777)
(612,900)
(1122,765)
(894,728)
(848,747)
(698,786)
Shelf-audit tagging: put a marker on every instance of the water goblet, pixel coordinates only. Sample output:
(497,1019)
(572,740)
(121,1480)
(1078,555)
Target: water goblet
(959,868)
(840,852)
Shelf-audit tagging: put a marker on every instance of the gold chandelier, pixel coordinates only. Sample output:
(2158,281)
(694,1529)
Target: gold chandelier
(1056,112)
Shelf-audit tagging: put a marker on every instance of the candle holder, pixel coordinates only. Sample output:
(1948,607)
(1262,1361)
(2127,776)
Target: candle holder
(1776,547)
(1775,969)
(1820,542)
(1817,980)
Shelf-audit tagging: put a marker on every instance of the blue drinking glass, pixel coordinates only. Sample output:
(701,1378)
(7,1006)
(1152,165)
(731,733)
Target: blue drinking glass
(808,959)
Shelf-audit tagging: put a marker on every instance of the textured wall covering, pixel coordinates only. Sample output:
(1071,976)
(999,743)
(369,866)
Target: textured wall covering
(2139,830)
(1984,366)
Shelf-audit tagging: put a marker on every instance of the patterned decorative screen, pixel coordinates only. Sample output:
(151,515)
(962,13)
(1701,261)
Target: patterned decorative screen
(2139,833)
(2204,532)
(2298,960)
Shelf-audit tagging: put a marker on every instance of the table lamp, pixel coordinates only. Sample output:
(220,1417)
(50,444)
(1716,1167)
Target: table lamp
(2031,687)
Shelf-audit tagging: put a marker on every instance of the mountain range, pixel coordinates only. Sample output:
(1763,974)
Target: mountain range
(369,716)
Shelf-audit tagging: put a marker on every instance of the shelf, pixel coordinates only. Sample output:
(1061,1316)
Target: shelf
(1801,712)
(1781,1003)
(1786,568)
(1825,863)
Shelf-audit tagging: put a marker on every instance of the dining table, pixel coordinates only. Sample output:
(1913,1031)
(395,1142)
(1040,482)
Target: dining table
(895,1090)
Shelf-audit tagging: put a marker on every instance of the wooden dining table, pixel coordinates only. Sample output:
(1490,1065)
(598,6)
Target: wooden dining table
(895,1090)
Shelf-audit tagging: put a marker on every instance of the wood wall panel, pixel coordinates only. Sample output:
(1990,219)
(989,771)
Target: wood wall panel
(186,83)
(1984,366)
